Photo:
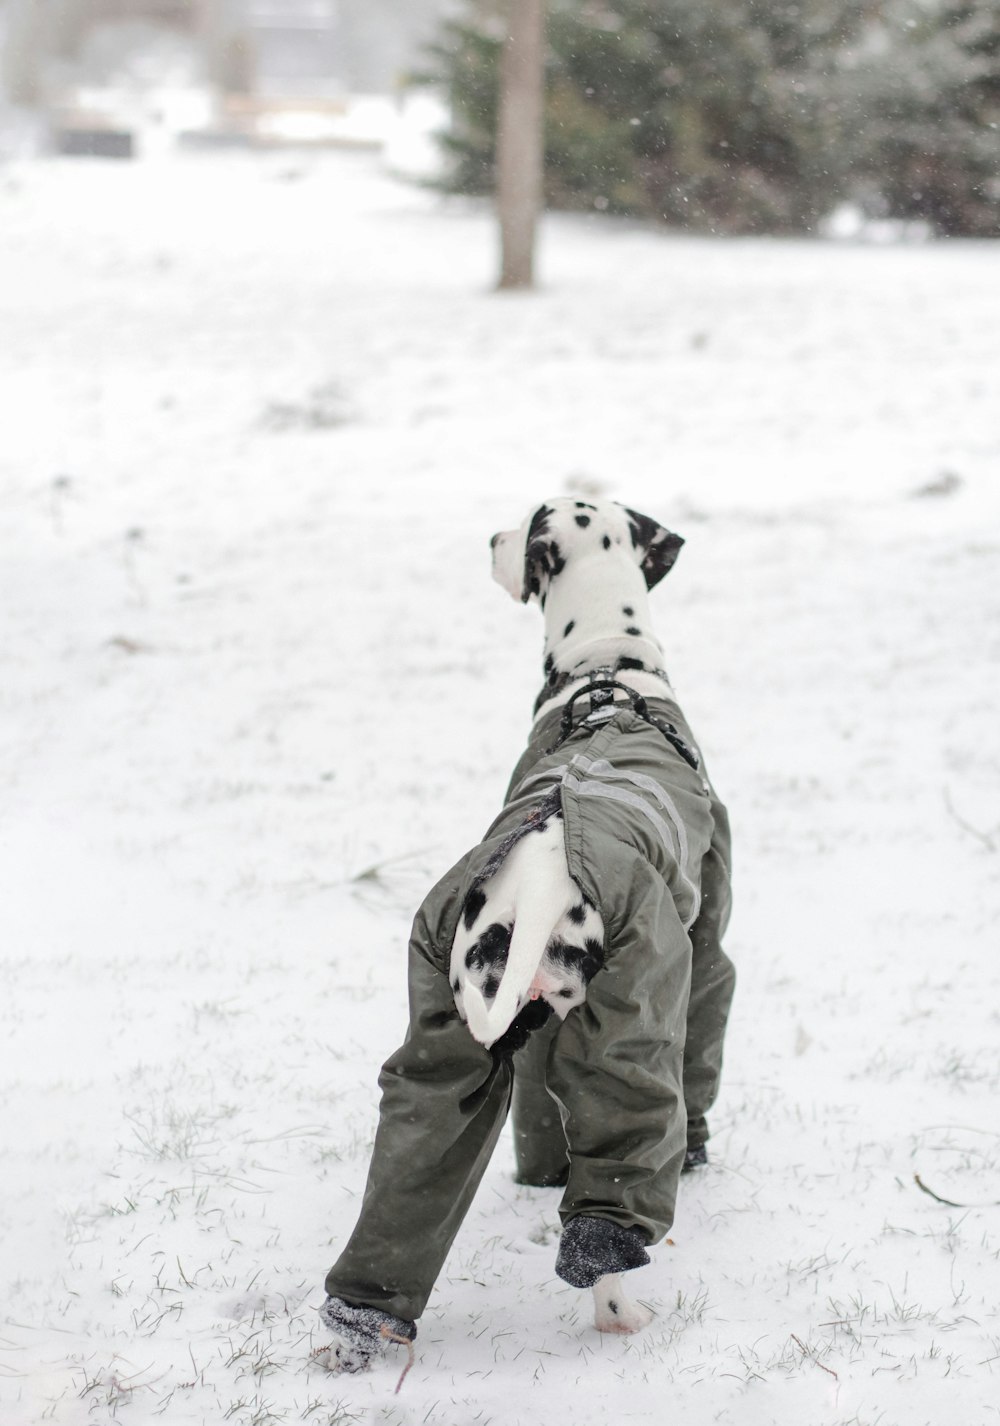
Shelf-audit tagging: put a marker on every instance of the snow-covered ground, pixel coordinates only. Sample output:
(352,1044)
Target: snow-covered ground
(259,418)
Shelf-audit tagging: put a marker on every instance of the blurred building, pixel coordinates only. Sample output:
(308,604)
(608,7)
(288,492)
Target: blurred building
(263,47)
(107,74)
(355,46)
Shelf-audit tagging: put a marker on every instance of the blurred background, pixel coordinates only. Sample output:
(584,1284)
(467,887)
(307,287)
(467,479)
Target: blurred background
(121,77)
(731,116)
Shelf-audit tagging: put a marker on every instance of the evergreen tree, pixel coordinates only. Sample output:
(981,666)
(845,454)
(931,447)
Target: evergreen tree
(708,115)
(924,93)
(749,115)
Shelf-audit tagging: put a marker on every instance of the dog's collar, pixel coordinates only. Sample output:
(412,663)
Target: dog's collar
(560,685)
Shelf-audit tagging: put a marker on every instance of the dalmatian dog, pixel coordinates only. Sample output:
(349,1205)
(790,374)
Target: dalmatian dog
(528,941)
(526,931)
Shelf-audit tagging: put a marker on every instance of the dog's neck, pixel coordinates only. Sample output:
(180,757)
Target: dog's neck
(597,616)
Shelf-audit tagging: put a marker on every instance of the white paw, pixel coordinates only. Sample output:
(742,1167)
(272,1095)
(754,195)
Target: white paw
(614,1310)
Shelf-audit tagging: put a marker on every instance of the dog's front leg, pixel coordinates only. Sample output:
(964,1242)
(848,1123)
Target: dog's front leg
(614,1310)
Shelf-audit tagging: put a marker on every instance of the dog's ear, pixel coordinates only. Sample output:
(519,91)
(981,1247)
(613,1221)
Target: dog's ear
(660,546)
(508,561)
(523,559)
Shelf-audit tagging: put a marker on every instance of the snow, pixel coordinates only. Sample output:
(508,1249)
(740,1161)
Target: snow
(259,692)
(402,129)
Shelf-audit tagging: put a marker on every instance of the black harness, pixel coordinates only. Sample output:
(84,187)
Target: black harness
(558,681)
(601,688)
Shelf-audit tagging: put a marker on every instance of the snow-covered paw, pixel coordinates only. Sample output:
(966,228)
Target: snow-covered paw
(342,1355)
(594,1248)
(614,1310)
(360,1334)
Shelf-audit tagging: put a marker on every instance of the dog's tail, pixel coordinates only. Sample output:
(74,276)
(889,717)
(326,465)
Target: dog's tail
(544,892)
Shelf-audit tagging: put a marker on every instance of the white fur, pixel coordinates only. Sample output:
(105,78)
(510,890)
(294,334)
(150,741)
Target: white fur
(591,592)
(508,559)
(614,1310)
(534,890)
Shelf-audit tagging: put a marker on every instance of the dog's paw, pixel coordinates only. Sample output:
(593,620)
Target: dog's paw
(614,1310)
(360,1334)
(343,1355)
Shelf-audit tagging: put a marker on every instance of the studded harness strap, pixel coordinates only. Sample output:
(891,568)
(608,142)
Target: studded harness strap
(602,687)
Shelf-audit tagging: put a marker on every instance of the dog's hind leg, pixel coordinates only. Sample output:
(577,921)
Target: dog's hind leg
(614,1310)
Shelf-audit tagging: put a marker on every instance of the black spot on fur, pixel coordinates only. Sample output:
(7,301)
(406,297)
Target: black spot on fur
(606,542)
(561,953)
(539,523)
(630,663)
(584,961)
(490,986)
(549,663)
(474,903)
(566,993)
(569,628)
(633,630)
(558,561)
(627,610)
(641,528)
(536,554)
(582,505)
(515,1037)
(490,951)
(577,914)
(456,985)
(660,547)
(583,521)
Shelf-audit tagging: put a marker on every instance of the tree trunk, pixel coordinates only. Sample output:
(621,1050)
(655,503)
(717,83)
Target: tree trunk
(520,146)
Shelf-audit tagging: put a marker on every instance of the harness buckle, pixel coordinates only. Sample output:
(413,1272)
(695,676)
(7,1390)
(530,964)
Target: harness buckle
(601,688)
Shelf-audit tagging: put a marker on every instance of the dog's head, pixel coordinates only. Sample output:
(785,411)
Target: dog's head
(527,560)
